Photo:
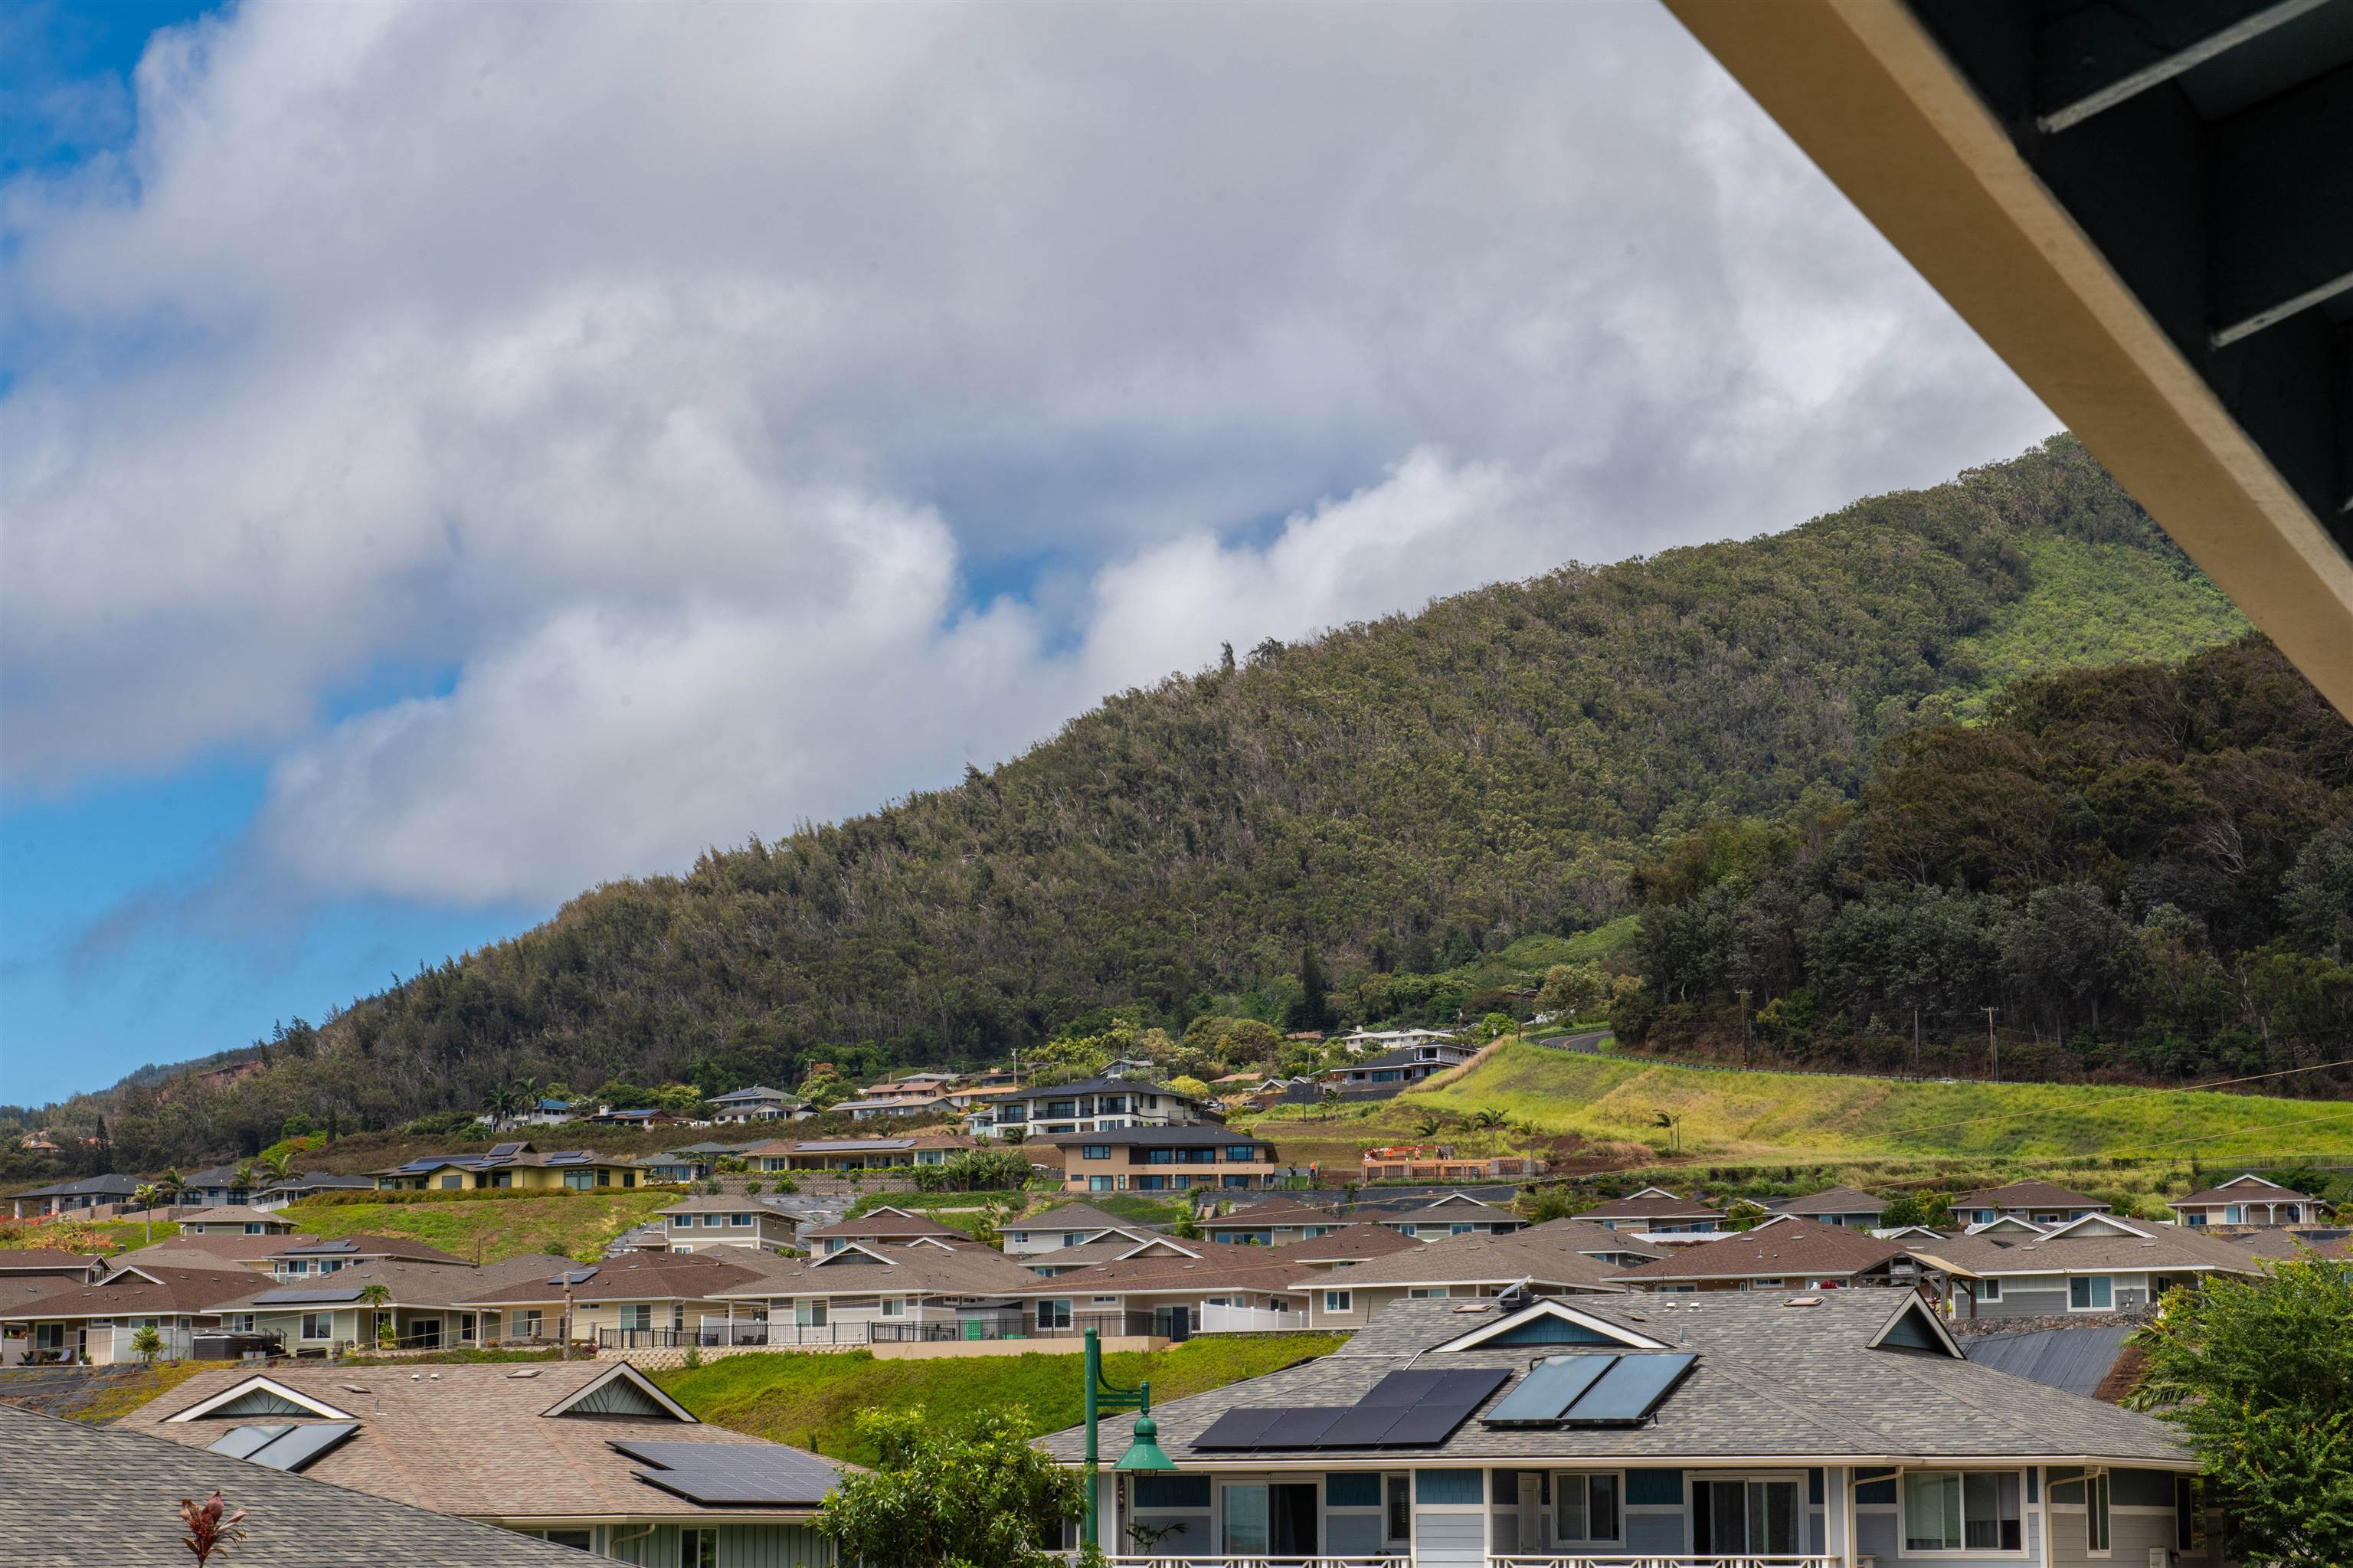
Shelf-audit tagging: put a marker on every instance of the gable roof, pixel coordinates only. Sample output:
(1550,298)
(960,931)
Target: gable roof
(2237,1190)
(1653,1204)
(147,1289)
(891,1225)
(1186,1135)
(1545,1254)
(410,1284)
(1078,1217)
(1830,1200)
(44,1260)
(2170,1247)
(65,1475)
(2026,1195)
(1271,1214)
(363,1244)
(1778,1377)
(487,1440)
(913,1270)
(1351,1243)
(1201,1265)
(633,1276)
(1776,1251)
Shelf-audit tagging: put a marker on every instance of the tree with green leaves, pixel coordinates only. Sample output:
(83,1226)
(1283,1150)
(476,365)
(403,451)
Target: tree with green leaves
(147,1342)
(387,1332)
(147,1195)
(969,1491)
(1313,1010)
(2259,1376)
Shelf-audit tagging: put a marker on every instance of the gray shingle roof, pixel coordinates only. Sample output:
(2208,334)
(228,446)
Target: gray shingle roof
(1831,1201)
(2026,1195)
(1546,1254)
(97,1497)
(2168,1246)
(1773,1381)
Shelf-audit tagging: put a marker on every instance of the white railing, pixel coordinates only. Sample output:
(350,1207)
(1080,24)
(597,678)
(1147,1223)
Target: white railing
(1216,1319)
(1753,1561)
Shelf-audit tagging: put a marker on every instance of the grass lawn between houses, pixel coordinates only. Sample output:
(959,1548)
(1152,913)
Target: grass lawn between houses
(812,1400)
(570,1224)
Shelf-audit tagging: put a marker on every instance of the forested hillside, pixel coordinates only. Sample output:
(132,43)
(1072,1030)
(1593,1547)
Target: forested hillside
(2148,867)
(1405,795)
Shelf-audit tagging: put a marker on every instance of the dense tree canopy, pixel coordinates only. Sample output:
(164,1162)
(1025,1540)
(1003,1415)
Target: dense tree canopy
(1315,833)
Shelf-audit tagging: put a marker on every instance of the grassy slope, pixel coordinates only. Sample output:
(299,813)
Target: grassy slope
(119,1399)
(574,1226)
(2091,604)
(1790,1116)
(813,1400)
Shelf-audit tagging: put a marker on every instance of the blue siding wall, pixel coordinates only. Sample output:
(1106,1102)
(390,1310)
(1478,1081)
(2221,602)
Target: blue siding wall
(1447,1487)
(1551,1331)
(1659,1488)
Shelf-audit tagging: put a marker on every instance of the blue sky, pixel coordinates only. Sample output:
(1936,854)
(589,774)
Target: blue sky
(455,455)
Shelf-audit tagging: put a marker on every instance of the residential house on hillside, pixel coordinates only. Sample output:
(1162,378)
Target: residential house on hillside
(306,1257)
(90,1198)
(1090,1105)
(1404,1065)
(590,1456)
(319,1315)
(2096,1262)
(545,1112)
(827,1154)
(869,1292)
(1357,1042)
(1545,1260)
(645,1298)
(1656,1209)
(883,1224)
(278,1192)
(1163,1160)
(1172,1289)
(69,1320)
(510,1165)
(691,1161)
(933,1106)
(1762,1429)
(1782,1254)
(2248,1201)
(236,1220)
(2272,1241)
(65,1477)
(1843,1206)
(1275,1223)
(729,1219)
(2039,1203)
(1069,1225)
(756,1103)
(219,1186)
(1456,1214)
(1347,1245)
(41,1265)
(257,1253)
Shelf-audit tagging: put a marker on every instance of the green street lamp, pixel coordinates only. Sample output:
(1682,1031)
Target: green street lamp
(1144,1454)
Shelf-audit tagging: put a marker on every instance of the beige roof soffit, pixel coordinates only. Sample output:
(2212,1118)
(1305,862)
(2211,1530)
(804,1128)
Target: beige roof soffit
(1862,88)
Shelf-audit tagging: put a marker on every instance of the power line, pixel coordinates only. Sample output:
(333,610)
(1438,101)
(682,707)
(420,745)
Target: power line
(2045,1110)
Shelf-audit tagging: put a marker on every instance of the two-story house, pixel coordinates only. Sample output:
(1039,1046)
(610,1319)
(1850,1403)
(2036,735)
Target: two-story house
(88,1198)
(757,1102)
(825,1154)
(1090,1104)
(729,1219)
(1455,1214)
(1657,1211)
(1163,1160)
(1846,1207)
(2096,1264)
(1405,1065)
(1067,1226)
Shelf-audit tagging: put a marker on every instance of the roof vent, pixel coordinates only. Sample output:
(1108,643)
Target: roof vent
(527,1372)
(1803,1301)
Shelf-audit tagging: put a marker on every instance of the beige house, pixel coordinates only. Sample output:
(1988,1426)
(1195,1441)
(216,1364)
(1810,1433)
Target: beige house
(1544,1260)
(728,1220)
(235,1220)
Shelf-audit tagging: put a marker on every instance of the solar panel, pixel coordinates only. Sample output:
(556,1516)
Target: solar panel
(239,1442)
(296,1297)
(503,1150)
(1548,1392)
(733,1474)
(1403,1388)
(1361,1426)
(1629,1390)
(1236,1429)
(1444,1408)
(574,1276)
(1300,1427)
(298,1445)
(569,1157)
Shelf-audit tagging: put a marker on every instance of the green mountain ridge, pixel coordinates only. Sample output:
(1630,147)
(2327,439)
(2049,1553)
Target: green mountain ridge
(1406,794)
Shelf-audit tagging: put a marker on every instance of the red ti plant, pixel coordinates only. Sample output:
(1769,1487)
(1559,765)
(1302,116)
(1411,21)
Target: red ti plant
(210,1526)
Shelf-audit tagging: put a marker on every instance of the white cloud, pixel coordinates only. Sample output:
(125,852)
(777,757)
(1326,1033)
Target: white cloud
(668,373)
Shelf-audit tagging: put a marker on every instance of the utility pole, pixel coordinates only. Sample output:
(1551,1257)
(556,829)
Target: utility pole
(1915,1042)
(1746,1033)
(1993,1045)
(564,1329)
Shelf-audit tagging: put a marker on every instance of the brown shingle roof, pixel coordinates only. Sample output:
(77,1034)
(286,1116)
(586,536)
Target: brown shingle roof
(918,1270)
(1786,1247)
(173,1290)
(1833,1201)
(469,1440)
(2166,1247)
(635,1277)
(1220,1265)
(2026,1195)
(884,1226)
(40,1260)
(1546,1254)
(1350,1243)
(1654,1206)
(2260,1191)
(364,1245)
(417,1284)
(225,1248)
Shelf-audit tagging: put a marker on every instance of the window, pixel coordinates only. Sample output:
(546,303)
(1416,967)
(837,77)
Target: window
(711,1221)
(895,1307)
(579,1180)
(465,1327)
(1957,1510)
(1242,1153)
(1400,1509)
(453,1181)
(1054,1314)
(1101,1185)
(1586,1509)
(1095,1151)
(637,1315)
(1337,1301)
(698,1548)
(1459,1229)
(253,1227)
(1425,1292)
(1990,1291)
(585,1540)
(2091,1293)
(2095,1514)
(682,1222)
(318,1325)
(527,1323)
(809,1314)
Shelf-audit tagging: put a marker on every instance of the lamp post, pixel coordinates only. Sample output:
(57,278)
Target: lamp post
(1142,1455)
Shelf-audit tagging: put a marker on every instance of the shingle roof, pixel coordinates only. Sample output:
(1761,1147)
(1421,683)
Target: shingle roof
(413,1284)
(122,1186)
(884,1225)
(1078,1217)
(2026,1195)
(1184,1135)
(97,1497)
(172,1290)
(1101,1087)
(635,1277)
(968,1270)
(1217,1265)
(2255,1189)
(1654,1207)
(1351,1243)
(233,1213)
(1777,1251)
(1772,1380)
(40,1260)
(364,1245)
(1546,1254)
(2328,1242)
(233,1248)
(1263,1216)
(469,1440)
(2165,1247)
(1833,1201)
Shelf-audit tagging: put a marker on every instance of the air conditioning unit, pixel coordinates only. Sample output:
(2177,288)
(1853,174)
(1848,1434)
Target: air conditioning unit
(2163,1557)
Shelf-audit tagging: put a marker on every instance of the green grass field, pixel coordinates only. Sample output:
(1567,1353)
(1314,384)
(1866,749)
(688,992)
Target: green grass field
(574,1225)
(812,1401)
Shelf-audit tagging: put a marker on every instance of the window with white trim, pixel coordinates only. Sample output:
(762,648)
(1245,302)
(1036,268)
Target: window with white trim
(318,1325)
(2095,1514)
(895,1305)
(2091,1293)
(1988,1289)
(1338,1301)
(1963,1510)
(698,1547)
(1584,1508)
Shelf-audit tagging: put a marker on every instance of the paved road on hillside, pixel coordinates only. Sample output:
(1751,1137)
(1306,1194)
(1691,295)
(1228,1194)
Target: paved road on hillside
(1588,1043)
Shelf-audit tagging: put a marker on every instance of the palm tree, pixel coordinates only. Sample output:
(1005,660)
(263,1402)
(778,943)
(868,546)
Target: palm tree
(279,1163)
(170,1186)
(500,1103)
(1429,1125)
(1673,1125)
(248,1176)
(376,1296)
(145,1196)
(1485,1120)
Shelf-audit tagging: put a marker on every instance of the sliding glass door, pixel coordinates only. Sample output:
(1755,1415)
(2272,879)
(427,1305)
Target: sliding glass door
(1754,1515)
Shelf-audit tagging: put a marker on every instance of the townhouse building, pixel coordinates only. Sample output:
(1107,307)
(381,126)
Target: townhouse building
(729,1220)
(510,1165)
(1163,1159)
(1090,1104)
